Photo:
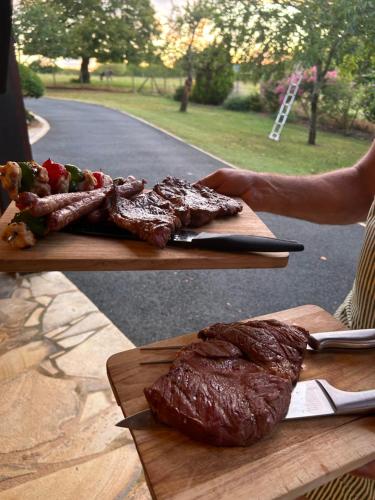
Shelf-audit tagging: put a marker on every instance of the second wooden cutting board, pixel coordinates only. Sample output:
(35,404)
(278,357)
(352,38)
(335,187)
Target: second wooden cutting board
(299,456)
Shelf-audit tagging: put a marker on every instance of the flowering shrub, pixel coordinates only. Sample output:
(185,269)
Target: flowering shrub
(307,83)
(340,99)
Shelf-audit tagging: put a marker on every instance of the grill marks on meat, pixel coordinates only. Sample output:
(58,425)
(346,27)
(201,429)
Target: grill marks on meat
(66,215)
(273,345)
(173,203)
(198,204)
(126,188)
(233,388)
(223,400)
(38,207)
(148,215)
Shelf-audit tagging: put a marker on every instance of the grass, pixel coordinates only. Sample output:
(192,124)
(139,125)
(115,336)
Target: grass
(239,138)
(157,85)
(126,83)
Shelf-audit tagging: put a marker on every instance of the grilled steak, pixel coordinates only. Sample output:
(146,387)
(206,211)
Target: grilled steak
(223,400)
(198,204)
(233,388)
(272,345)
(126,188)
(147,215)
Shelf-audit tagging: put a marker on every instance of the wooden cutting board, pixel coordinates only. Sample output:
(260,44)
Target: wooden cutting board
(68,252)
(299,456)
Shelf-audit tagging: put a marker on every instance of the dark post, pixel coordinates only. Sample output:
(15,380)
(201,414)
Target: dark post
(14,139)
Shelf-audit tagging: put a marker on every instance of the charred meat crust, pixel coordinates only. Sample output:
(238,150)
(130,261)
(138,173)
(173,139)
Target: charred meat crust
(43,206)
(70,213)
(125,188)
(233,388)
(273,345)
(198,204)
(148,215)
(224,401)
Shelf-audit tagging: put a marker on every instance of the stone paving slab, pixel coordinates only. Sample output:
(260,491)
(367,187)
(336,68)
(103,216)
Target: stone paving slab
(57,411)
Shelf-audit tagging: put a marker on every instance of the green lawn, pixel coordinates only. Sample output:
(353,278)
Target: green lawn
(126,83)
(239,138)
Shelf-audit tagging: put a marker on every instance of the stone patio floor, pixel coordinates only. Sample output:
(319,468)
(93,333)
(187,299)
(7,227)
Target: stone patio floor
(58,438)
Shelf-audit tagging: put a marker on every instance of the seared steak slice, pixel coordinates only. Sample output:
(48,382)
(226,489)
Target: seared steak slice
(199,205)
(125,188)
(274,346)
(223,400)
(147,215)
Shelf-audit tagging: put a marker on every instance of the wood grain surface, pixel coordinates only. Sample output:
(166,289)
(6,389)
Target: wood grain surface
(68,252)
(298,457)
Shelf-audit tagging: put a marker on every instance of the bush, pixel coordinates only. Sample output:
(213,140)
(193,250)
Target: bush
(251,102)
(41,66)
(31,84)
(178,93)
(341,103)
(368,103)
(269,97)
(214,76)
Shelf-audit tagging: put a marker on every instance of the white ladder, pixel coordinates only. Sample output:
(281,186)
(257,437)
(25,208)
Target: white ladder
(287,104)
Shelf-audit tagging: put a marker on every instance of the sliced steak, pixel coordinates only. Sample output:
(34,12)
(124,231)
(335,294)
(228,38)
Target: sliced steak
(147,215)
(223,400)
(198,204)
(274,346)
(125,188)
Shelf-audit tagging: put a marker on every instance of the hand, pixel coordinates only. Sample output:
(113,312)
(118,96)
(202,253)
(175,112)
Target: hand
(231,182)
(234,182)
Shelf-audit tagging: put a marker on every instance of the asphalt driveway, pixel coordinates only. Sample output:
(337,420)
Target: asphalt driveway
(152,305)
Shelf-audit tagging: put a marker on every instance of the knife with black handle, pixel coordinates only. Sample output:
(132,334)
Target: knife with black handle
(193,239)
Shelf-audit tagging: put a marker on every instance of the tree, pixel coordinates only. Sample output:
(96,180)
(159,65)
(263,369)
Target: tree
(38,28)
(214,75)
(314,33)
(110,30)
(185,39)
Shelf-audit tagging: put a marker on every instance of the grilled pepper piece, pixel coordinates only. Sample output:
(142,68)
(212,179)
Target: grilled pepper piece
(38,225)
(76,176)
(59,177)
(34,178)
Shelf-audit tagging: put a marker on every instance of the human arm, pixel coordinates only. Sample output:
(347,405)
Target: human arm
(343,196)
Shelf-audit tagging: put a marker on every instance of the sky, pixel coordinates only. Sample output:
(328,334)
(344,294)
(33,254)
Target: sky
(163,7)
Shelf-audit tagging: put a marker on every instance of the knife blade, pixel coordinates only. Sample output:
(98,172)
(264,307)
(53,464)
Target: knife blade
(194,239)
(310,398)
(318,398)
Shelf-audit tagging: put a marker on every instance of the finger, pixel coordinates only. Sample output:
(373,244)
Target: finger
(212,180)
